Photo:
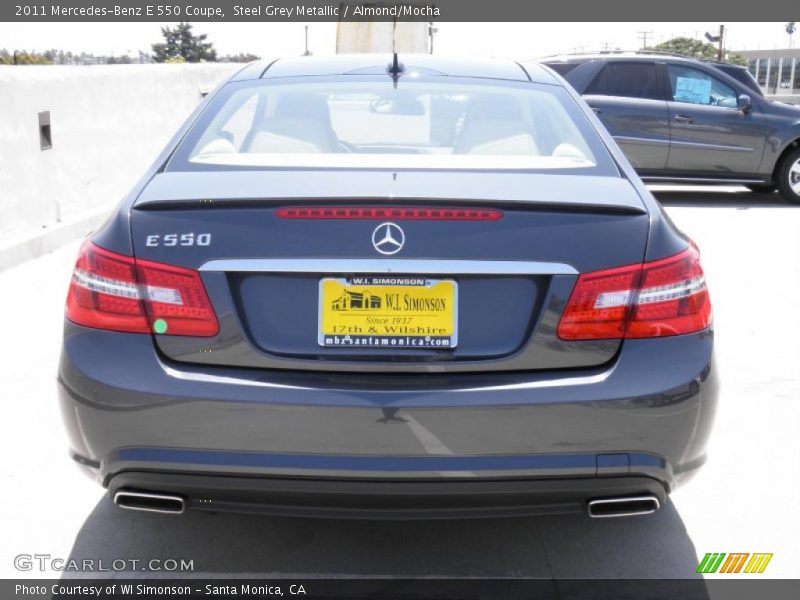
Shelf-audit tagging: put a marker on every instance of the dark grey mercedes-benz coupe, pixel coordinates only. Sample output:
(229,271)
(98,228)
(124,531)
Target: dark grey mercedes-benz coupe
(389,287)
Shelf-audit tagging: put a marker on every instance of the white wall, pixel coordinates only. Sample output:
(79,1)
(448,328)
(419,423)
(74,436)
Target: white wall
(108,123)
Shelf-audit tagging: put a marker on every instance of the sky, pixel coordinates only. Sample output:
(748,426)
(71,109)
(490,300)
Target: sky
(521,40)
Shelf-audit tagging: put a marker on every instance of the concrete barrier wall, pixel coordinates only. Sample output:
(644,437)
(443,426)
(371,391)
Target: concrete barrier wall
(108,123)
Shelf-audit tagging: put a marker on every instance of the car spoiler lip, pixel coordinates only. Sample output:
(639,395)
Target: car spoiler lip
(525,190)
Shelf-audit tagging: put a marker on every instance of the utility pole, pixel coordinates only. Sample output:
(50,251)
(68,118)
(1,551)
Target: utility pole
(643,35)
(307,52)
(431,32)
(721,42)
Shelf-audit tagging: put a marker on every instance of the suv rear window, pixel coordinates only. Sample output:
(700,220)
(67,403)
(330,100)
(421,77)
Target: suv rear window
(627,80)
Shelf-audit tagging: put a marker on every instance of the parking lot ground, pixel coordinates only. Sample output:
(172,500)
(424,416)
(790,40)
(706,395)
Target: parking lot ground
(743,500)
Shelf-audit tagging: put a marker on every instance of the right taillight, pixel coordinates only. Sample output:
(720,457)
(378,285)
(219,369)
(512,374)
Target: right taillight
(120,293)
(655,299)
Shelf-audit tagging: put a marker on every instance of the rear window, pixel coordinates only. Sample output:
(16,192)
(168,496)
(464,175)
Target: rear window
(416,125)
(626,80)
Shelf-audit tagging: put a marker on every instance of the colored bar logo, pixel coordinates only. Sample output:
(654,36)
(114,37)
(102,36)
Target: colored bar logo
(719,562)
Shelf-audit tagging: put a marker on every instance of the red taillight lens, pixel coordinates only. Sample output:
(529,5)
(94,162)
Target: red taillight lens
(176,297)
(660,298)
(116,292)
(599,305)
(104,292)
(673,298)
(389,212)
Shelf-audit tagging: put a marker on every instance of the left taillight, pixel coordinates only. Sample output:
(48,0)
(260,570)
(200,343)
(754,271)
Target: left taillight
(120,293)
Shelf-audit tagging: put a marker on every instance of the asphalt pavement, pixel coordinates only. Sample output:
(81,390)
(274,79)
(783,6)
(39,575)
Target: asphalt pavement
(743,500)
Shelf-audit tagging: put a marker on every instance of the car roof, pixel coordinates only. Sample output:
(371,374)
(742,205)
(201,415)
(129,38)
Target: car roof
(368,64)
(738,73)
(636,55)
(724,65)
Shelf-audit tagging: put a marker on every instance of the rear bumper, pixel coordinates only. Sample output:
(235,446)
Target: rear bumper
(342,498)
(137,421)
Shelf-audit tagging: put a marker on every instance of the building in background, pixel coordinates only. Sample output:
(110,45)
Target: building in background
(777,71)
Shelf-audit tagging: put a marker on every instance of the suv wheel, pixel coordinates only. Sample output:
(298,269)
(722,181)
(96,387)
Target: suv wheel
(789,176)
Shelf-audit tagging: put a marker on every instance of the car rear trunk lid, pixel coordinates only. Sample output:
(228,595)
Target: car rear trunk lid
(501,283)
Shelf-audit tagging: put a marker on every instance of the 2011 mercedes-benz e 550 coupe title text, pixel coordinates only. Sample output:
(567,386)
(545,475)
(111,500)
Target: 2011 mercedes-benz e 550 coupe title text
(373,287)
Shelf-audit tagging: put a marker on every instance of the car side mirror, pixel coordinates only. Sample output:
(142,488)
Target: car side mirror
(744,104)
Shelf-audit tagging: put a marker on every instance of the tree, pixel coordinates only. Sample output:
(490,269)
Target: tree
(180,42)
(22,57)
(242,57)
(119,60)
(692,48)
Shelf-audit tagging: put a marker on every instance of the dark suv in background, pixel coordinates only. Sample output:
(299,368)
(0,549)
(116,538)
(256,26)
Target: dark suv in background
(684,120)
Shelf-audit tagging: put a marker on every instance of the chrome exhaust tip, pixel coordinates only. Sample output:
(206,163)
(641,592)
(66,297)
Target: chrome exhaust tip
(626,506)
(148,502)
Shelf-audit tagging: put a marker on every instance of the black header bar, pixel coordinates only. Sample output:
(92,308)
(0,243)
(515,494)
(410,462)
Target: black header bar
(388,10)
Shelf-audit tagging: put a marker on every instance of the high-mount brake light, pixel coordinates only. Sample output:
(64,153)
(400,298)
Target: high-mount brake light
(655,299)
(390,212)
(120,293)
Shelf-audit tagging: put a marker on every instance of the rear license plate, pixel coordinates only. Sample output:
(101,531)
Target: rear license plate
(388,312)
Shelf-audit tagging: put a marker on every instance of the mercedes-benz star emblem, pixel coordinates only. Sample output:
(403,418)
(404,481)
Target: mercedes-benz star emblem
(388,238)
